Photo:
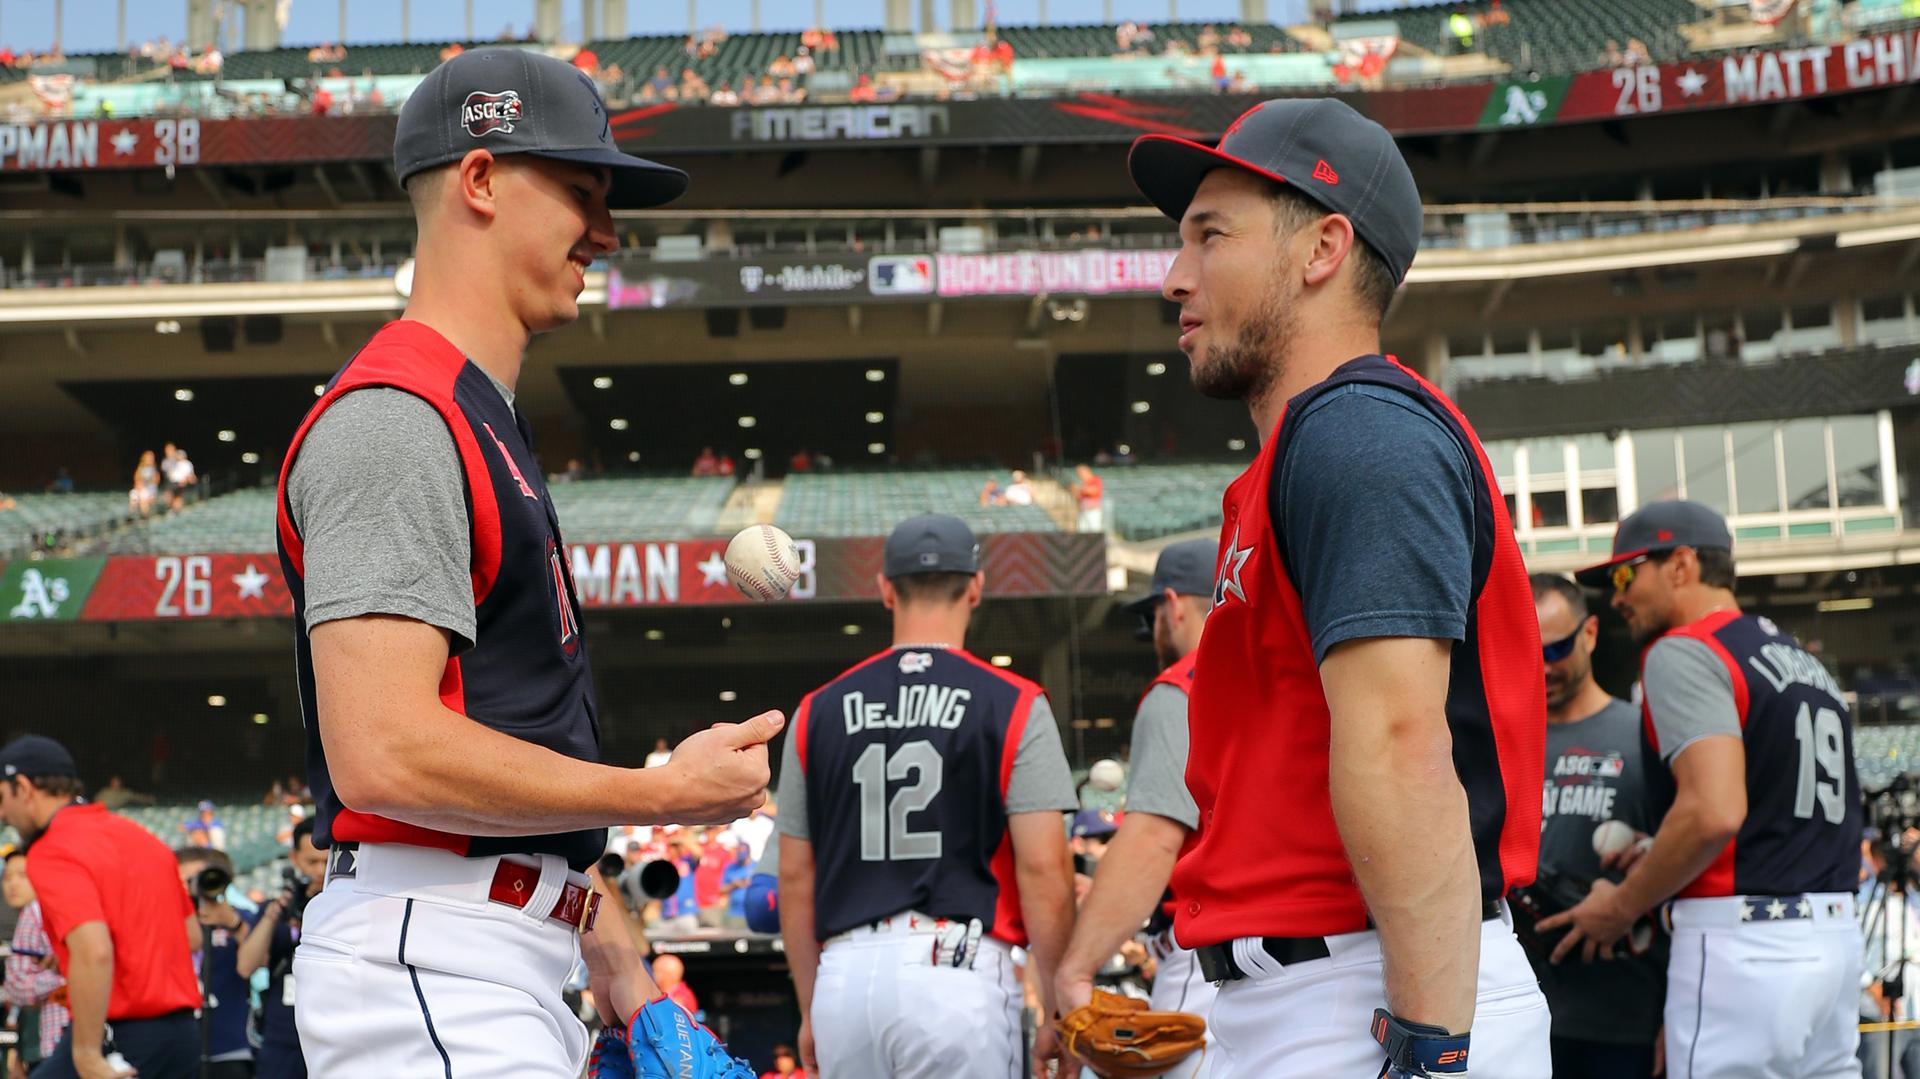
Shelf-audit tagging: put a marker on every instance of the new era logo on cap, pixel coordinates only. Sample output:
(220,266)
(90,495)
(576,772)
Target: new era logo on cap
(484,113)
(1324,173)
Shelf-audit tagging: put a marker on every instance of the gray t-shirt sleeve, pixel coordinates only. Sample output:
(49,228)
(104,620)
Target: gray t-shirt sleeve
(1159,751)
(378,494)
(1041,779)
(792,793)
(1375,504)
(1689,693)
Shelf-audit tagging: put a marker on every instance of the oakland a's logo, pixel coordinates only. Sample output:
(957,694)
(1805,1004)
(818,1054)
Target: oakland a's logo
(483,113)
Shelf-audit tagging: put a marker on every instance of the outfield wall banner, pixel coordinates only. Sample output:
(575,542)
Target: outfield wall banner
(771,280)
(640,573)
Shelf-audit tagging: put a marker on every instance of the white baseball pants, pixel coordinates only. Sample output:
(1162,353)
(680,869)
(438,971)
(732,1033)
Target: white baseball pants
(882,1008)
(1758,998)
(1178,986)
(1313,1018)
(407,969)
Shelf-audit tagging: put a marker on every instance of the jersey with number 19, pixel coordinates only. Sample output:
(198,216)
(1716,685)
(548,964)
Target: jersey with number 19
(906,759)
(1802,830)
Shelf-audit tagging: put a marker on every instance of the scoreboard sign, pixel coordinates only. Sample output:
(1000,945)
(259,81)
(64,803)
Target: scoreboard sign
(663,573)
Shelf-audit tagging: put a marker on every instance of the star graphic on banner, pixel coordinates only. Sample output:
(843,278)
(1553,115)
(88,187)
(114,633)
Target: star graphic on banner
(713,571)
(252,583)
(1228,582)
(124,141)
(1692,83)
(1746,912)
(1776,910)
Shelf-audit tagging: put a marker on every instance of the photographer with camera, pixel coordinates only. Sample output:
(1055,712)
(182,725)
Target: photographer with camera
(224,926)
(1890,926)
(1606,1015)
(271,946)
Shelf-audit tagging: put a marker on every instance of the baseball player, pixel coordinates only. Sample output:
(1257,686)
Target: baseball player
(1366,726)
(1606,1016)
(1752,775)
(451,726)
(1129,887)
(921,839)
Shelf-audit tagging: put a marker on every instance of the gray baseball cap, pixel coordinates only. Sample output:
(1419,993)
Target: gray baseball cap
(1320,147)
(931,543)
(1187,568)
(1656,528)
(515,101)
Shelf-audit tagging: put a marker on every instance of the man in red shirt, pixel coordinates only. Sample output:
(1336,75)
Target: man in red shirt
(122,927)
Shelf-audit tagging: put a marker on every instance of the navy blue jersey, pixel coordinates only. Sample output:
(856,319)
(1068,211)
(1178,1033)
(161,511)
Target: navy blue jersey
(527,672)
(230,995)
(906,759)
(1802,832)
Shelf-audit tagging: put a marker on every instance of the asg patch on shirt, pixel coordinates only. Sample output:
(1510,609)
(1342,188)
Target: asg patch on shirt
(915,662)
(484,113)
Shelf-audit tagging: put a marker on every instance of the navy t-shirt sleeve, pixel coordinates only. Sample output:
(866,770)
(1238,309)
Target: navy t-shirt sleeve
(1374,503)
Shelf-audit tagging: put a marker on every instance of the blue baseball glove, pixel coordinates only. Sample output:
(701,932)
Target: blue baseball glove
(663,1042)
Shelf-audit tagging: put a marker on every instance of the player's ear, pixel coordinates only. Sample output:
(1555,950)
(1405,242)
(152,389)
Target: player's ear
(975,587)
(888,598)
(478,174)
(1333,243)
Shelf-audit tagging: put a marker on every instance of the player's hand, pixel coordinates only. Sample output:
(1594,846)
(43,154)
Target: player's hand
(1047,1061)
(1594,926)
(1071,991)
(92,1064)
(721,774)
(1630,855)
(808,1060)
(617,978)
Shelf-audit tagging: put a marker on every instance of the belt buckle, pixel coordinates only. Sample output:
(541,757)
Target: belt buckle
(589,911)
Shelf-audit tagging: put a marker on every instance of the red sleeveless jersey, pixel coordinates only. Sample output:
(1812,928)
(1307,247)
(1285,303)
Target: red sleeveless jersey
(1267,859)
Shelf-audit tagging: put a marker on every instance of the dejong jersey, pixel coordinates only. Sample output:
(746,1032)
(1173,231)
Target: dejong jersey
(906,759)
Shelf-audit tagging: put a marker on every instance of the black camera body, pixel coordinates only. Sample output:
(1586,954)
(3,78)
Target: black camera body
(210,883)
(294,895)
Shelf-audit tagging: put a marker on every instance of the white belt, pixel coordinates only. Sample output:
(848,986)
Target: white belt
(401,869)
(1815,907)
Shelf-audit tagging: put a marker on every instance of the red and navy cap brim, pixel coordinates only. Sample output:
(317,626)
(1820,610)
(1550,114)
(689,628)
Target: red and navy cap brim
(1600,576)
(1168,170)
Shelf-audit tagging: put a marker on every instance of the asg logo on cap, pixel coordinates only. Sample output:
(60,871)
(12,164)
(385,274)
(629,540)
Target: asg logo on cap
(484,113)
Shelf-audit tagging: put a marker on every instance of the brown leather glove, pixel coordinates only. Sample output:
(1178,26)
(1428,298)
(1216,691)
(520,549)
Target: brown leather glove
(1117,1036)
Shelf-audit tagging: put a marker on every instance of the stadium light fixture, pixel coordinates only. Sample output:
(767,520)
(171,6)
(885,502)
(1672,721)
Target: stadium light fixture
(753,453)
(876,417)
(226,435)
(183,394)
(319,389)
(850,630)
(167,326)
(260,719)
(875,374)
(747,421)
(633,457)
(738,378)
(1236,444)
(876,448)
(1103,723)
(603,383)
(1140,408)
(216,701)
(656,635)
(618,423)
(1002,661)
(729,696)
(1832,606)
(249,458)
(1123,449)
(1081,724)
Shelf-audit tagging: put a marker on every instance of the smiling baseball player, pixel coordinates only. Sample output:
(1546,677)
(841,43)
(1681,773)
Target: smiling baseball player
(921,839)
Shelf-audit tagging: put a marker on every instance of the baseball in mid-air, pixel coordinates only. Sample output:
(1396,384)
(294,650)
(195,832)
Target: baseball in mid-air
(1106,775)
(1610,836)
(762,562)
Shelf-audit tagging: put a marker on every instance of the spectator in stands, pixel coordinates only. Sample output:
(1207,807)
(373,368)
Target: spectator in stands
(62,482)
(692,86)
(706,464)
(789,94)
(781,67)
(451,50)
(223,927)
(1637,52)
(1089,495)
(725,97)
(709,876)
(727,467)
(146,485)
(33,982)
(297,791)
(785,1065)
(680,912)
(322,101)
(1238,83)
(801,461)
(660,754)
(205,828)
(803,62)
(734,879)
(1611,56)
(1221,80)
(116,795)
(284,834)
(756,830)
(589,61)
(766,93)
(670,974)
(991,495)
(7,502)
(1020,491)
(270,947)
(661,81)
(180,475)
(118,921)
(1208,40)
(1239,40)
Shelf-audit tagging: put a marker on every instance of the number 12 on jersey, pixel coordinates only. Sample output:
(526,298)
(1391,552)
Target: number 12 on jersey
(884,832)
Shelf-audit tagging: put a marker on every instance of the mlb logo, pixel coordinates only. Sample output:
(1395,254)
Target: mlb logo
(916,662)
(485,113)
(1611,767)
(892,275)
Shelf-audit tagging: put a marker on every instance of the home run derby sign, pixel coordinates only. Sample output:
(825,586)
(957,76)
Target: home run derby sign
(607,575)
(1722,81)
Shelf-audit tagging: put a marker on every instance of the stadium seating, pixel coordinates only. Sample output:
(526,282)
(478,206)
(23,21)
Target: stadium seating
(1550,36)
(871,503)
(1148,501)
(596,511)
(414,58)
(252,830)
(238,522)
(74,515)
(1883,752)
(1052,42)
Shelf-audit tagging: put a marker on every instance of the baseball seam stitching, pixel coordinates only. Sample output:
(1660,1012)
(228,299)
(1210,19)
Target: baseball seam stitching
(758,587)
(773,550)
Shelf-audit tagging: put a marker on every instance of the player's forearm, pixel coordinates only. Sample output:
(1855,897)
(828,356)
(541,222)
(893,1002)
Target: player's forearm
(1046,906)
(797,917)
(1422,888)
(89,984)
(255,949)
(1691,836)
(1126,885)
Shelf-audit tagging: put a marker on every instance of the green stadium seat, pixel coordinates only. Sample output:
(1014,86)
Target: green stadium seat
(1149,501)
(871,503)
